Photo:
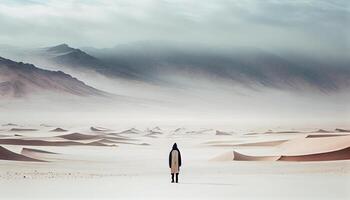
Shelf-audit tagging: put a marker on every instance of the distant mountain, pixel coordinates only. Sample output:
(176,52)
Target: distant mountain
(176,65)
(245,66)
(18,79)
(76,59)
(66,55)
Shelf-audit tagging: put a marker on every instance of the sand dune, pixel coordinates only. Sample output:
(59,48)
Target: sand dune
(45,125)
(304,146)
(242,157)
(178,130)
(99,129)
(5,135)
(58,130)
(306,149)
(114,142)
(153,133)
(131,131)
(214,142)
(150,136)
(31,142)
(322,131)
(107,141)
(129,143)
(22,129)
(156,129)
(222,133)
(98,143)
(10,124)
(252,133)
(341,130)
(200,132)
(117,137)
(288,132)
(273,132)
(36,151)
(79,136)
(281,132)
(222,145)
(185,131)
(6,154)
(324,135)
(343,154)
(265,143)
(242,143)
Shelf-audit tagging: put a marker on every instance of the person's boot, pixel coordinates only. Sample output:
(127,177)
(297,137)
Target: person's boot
(177,177)
(172,178)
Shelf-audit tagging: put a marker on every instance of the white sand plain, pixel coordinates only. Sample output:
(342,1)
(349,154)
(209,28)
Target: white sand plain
(134,170)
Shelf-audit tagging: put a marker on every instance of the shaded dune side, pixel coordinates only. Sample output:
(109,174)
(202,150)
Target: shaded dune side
(222,133)
(343,154)
(36,151)
(58,130)
(22,129)
(98,129)
(10,124)
(241,157)
(324,135)
(6,154)
(342,130)
(96,143)
(46,143)
(78,136)
(153,134)
(267,143)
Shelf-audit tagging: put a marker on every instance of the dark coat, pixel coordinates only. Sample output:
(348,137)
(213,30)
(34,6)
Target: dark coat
(170,157)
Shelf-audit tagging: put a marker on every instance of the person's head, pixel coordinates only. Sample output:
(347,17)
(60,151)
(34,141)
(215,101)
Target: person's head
(174,146)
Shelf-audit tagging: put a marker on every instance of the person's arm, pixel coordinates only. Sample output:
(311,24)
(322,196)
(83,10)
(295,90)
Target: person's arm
(179,158)
(170,159)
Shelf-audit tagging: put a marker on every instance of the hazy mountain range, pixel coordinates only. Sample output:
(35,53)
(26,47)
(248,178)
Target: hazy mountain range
(245,66)
(167,65)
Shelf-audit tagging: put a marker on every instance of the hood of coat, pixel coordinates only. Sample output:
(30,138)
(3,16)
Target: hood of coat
(175,147)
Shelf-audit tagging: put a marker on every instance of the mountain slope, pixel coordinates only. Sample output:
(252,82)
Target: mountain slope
(19,79)
(65,56)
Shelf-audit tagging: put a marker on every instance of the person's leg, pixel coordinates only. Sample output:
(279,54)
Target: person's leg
(172,177)
(177,177)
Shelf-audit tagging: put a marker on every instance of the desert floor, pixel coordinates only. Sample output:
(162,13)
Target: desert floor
(133,164)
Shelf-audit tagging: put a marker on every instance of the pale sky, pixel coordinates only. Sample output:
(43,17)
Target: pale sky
(310,25)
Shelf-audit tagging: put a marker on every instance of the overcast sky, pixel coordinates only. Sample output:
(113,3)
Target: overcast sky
(311,25)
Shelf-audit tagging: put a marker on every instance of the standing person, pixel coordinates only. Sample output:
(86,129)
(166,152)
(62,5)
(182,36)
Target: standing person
(174,162)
